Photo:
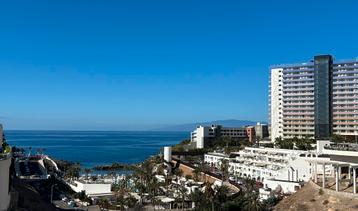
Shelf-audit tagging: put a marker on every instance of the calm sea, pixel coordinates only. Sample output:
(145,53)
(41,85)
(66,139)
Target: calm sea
(92,148)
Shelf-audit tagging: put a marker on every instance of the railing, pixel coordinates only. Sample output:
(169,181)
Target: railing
(343,147)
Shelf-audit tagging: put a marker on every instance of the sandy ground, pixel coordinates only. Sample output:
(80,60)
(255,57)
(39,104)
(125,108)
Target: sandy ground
(308,198)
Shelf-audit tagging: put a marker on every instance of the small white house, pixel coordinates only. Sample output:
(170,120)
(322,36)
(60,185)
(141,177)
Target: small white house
(215,158)
(91,188)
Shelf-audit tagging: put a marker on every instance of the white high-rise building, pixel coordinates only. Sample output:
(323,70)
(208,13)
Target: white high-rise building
(316,99)
(276,102)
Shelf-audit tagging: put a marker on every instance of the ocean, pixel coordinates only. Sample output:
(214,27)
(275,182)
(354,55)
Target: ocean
(92,148)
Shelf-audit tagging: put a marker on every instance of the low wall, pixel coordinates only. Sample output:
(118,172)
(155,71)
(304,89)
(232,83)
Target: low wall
(287,186)
(188,170)
(335,193)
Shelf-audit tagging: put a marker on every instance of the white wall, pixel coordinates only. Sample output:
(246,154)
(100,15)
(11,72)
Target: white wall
(168,154)
(276,100)
(91,188)
(287,187)
(216,160)
(321,144)
(301,169)
(201,133)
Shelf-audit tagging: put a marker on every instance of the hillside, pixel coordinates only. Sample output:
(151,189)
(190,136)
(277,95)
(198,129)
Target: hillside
(192,126)
(309,199)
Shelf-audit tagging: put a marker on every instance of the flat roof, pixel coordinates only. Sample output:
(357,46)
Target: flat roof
(218,154)
(310,63)
(287,151)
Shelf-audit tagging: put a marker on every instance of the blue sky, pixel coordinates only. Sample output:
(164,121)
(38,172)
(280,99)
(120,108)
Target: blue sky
(123,65)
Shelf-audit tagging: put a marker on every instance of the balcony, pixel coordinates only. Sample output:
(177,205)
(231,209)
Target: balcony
(345,113)
(287,114)
(298,109)
(343,149)
(345,103)
(345,123)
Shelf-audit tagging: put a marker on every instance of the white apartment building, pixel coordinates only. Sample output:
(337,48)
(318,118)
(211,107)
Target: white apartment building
(5,162)
(316,99)
(215,158)
(266,163)
(287,169)
(272,163)
(202,135)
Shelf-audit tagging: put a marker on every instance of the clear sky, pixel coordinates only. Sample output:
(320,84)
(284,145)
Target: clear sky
(127,64)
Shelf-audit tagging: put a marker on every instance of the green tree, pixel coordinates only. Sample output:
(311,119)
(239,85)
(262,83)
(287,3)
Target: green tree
(210,194)
(196,173)
(87,172)
(201,203)
(183,194)
(304,143)
(283,143)
(103,203)
(72,170)
(250,197)
(271,202)
(224,168)
(338,138)
(130,201)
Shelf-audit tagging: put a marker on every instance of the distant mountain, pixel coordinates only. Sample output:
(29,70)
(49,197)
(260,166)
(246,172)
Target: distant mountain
(192,126)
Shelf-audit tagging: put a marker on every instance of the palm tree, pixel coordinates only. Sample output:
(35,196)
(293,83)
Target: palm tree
(103,203)
(120,201)
(112,174)
(130,201)
(183,194)
(210,194)
(249,184)
(139,185)
(221,194)
(252,202)
(177,173)
(153,188)
(250,196)
(197,198)
(224,168)
(227,141)
(145,180)
(196,172)
(201,169)
(141,190)
(87,172)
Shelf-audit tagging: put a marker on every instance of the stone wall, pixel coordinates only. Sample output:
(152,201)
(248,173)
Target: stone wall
(187,170)
(335,193)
